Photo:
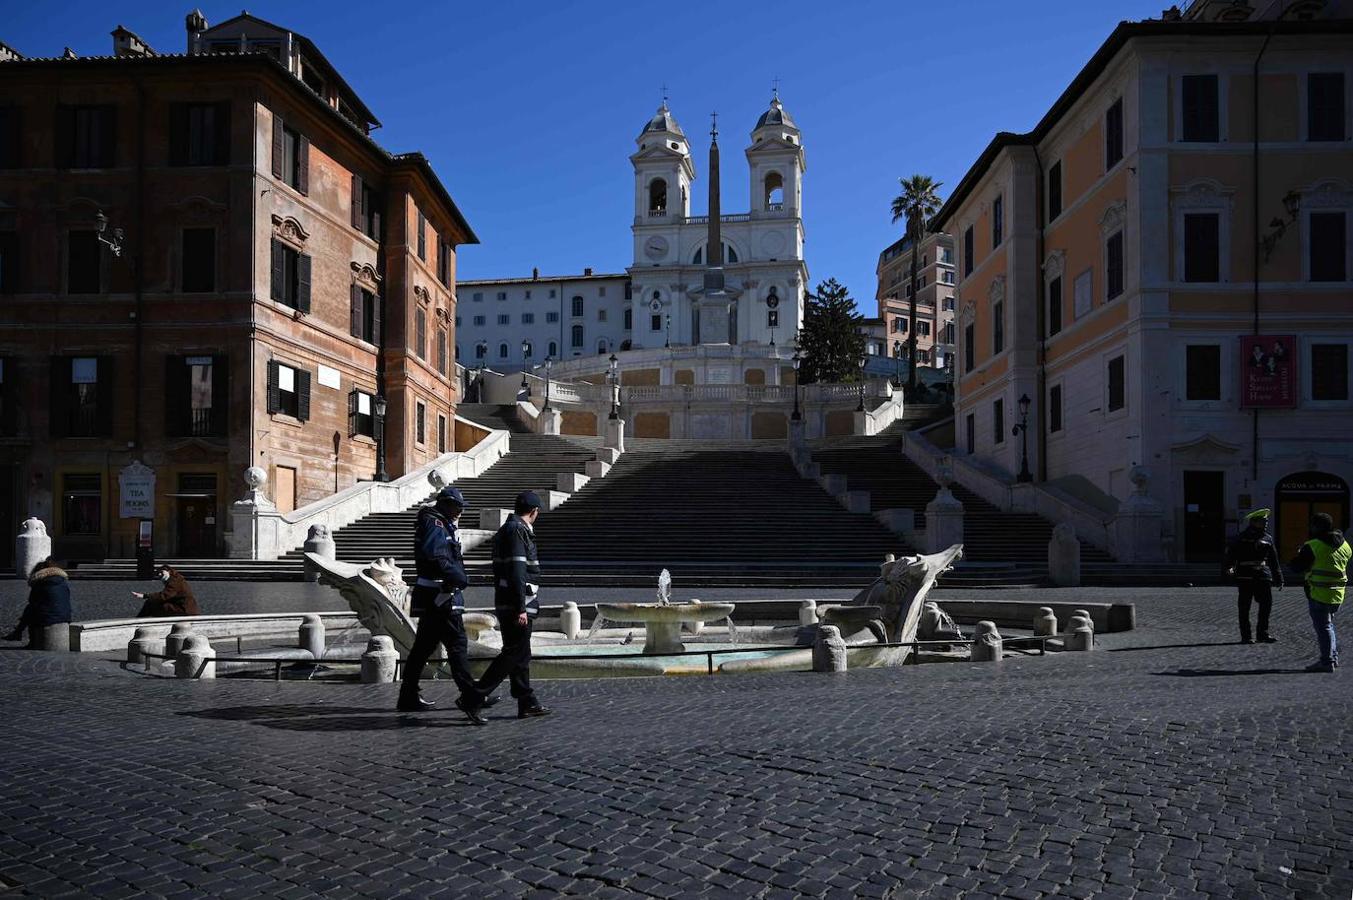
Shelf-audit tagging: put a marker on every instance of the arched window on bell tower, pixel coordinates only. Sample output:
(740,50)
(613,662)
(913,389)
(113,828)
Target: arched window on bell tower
(657,197)
(774,195)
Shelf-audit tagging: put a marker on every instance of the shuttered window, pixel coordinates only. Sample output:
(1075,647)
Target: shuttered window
(1325,107)
(1202,372)
(1117,385)
(290,155)
(1202,246)
(11,137)
(968,250)
(1199,108)
(1055,305)
(86,137)
(969,347)
(422,236)
(998,421)
(361,416)
(196,395)
(1329,371)
(1055,190)
(365,319)
(288,391)
(1328,246)
(1113,134)
(420,333)
(199,134)
(290,276)
(81,396)
(1055,408)
(199,260)
(83,262)
(1113,266)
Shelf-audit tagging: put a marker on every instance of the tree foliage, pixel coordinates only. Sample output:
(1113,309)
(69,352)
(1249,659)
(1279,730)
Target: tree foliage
(831,340)
(918,203)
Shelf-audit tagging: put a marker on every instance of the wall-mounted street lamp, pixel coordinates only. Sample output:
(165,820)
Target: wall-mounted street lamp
(1278,227)
(1022,429)
(109,235)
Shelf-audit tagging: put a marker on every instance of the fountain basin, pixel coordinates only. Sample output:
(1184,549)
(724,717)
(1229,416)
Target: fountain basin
(662,622)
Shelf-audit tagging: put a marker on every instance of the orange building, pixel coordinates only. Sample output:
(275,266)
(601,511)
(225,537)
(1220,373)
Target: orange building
(265,272)
(935,282)
(1119,263)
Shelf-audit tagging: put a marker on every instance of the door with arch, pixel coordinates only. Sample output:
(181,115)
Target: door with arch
(1301,495)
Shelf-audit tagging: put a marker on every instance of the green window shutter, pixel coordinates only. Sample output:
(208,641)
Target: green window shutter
(302,395)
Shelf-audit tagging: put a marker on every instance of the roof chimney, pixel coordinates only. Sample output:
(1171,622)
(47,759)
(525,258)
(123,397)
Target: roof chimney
(587,273)
(196,23)
(535,273)
(128,43)
(68,53)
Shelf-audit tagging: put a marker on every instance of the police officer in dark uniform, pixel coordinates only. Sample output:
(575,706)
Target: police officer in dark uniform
(516,589)
(1253,561)
(439,602)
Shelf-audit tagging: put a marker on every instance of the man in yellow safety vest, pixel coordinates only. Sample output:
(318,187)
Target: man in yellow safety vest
(1324,560)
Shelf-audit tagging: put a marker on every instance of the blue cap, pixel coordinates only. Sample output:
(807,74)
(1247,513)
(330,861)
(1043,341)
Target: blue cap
(527,501)
(451,495)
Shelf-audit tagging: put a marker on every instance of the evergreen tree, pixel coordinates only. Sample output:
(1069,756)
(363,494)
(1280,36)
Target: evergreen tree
(831,340)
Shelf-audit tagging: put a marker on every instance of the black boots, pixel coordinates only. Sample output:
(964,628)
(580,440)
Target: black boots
(413,703)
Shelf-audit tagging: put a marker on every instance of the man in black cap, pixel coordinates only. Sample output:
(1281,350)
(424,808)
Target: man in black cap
(516,587)
(440,604)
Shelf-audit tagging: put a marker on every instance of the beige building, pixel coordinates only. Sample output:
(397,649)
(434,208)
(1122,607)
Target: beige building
(936,276)
(1169,287)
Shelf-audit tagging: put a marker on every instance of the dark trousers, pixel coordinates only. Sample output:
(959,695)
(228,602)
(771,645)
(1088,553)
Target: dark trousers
(514,663)
(440,625)
(1260,592)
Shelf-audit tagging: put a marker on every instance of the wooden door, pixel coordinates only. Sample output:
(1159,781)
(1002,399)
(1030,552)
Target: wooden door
(285,490)
(1204,516)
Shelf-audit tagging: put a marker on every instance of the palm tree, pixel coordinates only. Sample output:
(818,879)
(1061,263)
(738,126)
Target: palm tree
(918,202)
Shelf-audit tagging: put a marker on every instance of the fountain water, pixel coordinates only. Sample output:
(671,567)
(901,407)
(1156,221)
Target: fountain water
(662,620)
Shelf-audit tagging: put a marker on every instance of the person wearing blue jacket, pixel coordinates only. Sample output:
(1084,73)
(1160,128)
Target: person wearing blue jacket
(439,601)
(48,601)
(516,593)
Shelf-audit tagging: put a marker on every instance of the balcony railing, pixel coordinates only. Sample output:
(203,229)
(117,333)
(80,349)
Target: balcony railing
(703,220)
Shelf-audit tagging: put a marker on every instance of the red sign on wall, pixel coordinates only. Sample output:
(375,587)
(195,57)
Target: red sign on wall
(1268,371)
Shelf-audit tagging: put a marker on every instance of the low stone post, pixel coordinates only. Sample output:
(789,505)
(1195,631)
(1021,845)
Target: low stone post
(319,542)
(173,642)
(829,650)
(570,620)
(31,547)
(52,637)
(615,434)
(312,635)
(1082,637)
(1064,557)
(1045,623)
(141,643)
(549,421)
(808,612)
(987,645)
(1084,614)
(379,660)
(197,659)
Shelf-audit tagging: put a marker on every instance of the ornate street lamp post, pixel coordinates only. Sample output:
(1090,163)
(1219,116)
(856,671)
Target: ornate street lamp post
(864,361)
(526,367)
(897,358)
(380,438)
(668,342)
(798,361)
(1022,429)
(549,361)
(112,237)
(613,376)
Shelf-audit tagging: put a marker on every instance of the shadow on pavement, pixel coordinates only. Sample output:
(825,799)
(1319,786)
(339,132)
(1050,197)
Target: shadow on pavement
(297,717)
(1172,646)
(1200,673)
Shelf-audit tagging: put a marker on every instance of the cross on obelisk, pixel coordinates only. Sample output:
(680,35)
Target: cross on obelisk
(776,86)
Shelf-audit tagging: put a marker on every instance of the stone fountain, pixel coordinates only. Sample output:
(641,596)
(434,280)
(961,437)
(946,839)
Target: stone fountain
(663,620)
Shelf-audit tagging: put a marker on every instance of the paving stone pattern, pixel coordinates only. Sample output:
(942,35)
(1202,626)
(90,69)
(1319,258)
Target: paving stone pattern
(1171,763)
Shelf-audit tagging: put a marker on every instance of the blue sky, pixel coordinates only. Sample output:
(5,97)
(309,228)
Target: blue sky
(529,110)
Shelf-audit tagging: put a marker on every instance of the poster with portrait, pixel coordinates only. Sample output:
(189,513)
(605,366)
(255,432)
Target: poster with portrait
(1268,371)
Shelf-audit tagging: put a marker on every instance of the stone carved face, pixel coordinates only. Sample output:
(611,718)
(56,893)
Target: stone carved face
(255,477)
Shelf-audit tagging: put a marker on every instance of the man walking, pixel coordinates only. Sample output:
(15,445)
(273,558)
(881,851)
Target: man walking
(440,604)
(1253,560)
(516,588)
(1324,559)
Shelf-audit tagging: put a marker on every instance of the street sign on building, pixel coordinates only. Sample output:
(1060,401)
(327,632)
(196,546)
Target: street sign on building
(1268,371)
(136,492)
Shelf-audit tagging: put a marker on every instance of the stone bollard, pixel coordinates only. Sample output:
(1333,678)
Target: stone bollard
(321,543)
(379,660)
(196,660)
(31,547)
(829,650)
(173,642)
(987,644)
(1064,556)
(1045,623)
(51,637)
(1082,637)
(312,635)
(570,620)
(1084,614)
(141,643)
(808,612)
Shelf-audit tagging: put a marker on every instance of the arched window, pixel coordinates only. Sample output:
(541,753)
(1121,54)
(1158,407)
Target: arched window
(458,353)
(775,191)
(481,351)
(577,335)
(699,258)
(528,349)
(601,347)
(577,307)
(657,197)
(729,255)
(554,350)
(625,345)
(502,351)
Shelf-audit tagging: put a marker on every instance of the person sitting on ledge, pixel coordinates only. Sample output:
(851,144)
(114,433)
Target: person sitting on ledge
(175,600)
(48,601)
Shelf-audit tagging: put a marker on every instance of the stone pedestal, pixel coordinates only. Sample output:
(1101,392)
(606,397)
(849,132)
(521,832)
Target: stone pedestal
(856,501)
(51,637)
(608,455)
(1136,530)
(1064,557)
(570,620)
(615,434)
(550,421)
(197,659)
(663,637)
(987,644)
(494,518)
(829,650)
(379,660)
(570,482)
(141,644)
(320,543)
(173,643)
(31,547)
(943,522)
(255,522)
(312,635)
(795,432)
(595,468)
